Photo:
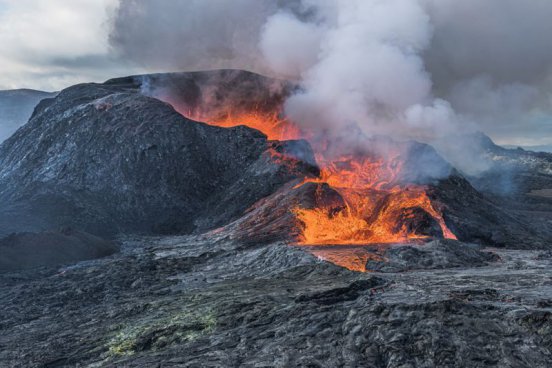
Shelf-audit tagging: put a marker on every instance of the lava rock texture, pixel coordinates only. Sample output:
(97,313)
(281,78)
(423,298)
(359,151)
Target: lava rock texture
(202,302)
(106,159)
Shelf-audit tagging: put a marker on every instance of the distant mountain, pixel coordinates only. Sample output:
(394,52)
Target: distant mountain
(16,107)
(540,148)
(498,170)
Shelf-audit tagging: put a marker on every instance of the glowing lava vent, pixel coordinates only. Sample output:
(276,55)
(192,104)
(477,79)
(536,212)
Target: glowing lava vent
(376,207)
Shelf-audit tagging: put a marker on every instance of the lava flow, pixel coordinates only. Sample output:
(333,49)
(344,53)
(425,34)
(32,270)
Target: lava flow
(274,127)
(376,207)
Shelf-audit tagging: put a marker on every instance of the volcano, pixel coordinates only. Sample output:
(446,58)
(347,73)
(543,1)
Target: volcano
(245,239)
(126,156)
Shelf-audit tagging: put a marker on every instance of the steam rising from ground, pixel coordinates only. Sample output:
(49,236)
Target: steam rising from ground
(413,68)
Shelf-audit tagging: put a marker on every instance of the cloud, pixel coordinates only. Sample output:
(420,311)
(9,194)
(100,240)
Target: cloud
(505,39)
(49,44)
(289,45)
(191,34)
(493,61)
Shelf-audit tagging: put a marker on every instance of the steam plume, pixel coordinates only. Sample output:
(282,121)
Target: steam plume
(421,68)
(367,69)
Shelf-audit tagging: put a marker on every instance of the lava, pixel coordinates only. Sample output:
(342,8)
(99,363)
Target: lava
(353,258)
(269,123)
(369,217)
(376,208)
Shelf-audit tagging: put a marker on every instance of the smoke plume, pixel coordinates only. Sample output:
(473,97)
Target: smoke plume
(418,69)
(367,69)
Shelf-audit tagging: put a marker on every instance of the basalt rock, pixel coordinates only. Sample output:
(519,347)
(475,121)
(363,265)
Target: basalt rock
(193,302)
(475,217)
(438,254)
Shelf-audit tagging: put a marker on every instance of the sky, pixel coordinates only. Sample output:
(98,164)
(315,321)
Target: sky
(482,63)
(51,44)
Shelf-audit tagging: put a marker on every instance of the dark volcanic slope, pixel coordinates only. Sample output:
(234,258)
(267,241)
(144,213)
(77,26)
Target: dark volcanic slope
(474,217)
(106,159)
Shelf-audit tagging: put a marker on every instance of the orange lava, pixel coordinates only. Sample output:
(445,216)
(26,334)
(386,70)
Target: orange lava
(274,127)
(359,172)
(357,225)
(374,201)
(377,207)
(352,258)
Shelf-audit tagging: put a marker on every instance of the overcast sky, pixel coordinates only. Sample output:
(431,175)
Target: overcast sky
(490,59)
(51,44)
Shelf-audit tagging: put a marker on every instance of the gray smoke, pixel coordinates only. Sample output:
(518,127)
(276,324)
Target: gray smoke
(190,35)
(418,69)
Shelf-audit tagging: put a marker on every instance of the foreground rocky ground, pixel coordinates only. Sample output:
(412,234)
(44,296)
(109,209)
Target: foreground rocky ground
(204,301)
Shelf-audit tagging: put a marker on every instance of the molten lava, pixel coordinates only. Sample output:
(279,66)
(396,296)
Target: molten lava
(376,207)
(353,258)
(274,127)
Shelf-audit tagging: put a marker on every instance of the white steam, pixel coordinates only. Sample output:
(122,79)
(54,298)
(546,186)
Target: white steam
(359,63)
(289,45)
